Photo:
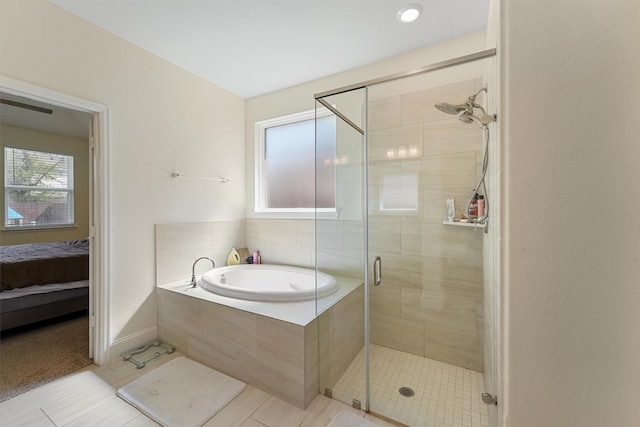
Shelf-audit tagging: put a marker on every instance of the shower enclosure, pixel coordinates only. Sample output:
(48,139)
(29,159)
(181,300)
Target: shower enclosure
(411,345)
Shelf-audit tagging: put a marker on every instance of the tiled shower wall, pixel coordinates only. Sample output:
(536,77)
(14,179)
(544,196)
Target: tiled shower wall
(430,302)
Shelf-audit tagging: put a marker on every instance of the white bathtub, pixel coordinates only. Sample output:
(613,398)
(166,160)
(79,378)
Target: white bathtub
(264,282)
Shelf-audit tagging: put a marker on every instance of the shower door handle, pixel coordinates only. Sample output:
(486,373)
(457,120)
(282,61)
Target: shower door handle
(377,271)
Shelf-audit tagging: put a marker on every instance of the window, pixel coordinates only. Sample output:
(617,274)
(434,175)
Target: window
(399,192)
(38,189)
(290,152)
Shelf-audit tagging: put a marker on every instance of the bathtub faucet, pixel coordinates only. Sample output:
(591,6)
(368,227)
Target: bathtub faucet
(193,270)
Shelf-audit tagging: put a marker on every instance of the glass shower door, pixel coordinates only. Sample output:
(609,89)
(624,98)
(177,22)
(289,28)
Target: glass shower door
(340,248)
(425,308)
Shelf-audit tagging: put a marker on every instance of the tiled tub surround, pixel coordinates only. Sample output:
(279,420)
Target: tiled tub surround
(270,345)
(431,301)
(179,245)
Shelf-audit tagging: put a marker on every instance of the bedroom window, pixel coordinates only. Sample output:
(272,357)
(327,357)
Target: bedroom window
(288,158)
(38,189)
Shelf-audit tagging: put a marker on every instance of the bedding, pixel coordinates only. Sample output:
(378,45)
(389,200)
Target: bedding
(40,281)
(43,263)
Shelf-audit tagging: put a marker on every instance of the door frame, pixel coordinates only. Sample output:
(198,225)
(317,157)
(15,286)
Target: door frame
(99,289)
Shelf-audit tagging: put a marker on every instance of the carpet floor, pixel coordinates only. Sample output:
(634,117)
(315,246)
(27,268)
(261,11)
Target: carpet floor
(32,356)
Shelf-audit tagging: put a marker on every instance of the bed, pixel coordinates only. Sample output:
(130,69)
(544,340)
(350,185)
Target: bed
(39,281)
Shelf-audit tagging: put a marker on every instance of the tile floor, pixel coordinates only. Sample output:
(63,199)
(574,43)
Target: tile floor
(445,395)
(87,398)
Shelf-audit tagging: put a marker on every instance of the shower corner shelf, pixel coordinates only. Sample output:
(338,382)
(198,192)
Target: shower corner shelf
(473,225)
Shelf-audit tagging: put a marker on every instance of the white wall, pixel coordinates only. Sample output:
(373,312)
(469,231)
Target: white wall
(571,75)
(162,119)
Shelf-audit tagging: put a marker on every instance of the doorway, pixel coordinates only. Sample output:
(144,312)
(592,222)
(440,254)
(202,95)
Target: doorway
(98,225)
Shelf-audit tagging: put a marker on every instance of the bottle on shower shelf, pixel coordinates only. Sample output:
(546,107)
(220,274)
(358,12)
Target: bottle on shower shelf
(480,205)
(473,208)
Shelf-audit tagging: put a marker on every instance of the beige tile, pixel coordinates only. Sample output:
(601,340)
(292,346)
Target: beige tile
(239,409)
(385,300)
(384,113)
(470,359)
(411,239)
(404,335)
(175,267)
(452,276)
(392,144)
(141,421)
(311,334)
(33,417)
(389,243)
(451,136)
(176,336)
(439,309)
(216,355)
(444,393)
(448,242)
(452,338)
(282,340)
(274,376)
(180,311)
(83,401)
(341,263)
(231,327)
(275,412)
(174,238)
(274,253)
(330,235)
(250,422)
(112,412)
(323,409)
(341,337)
(305,234)
(280,232)
(230,233)
(449,171)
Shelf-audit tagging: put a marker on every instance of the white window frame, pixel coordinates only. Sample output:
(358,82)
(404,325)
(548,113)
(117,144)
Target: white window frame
(70,190)
(260,183)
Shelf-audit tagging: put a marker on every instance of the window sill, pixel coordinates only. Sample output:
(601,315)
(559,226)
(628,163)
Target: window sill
(25,228)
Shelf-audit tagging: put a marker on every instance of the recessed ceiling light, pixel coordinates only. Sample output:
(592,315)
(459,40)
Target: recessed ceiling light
(409,13)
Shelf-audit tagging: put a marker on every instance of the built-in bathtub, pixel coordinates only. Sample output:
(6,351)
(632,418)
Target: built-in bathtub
(281,347)
(265,282)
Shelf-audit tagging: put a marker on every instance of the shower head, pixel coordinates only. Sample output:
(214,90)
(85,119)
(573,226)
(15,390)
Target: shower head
(467,109)
(445,107)
(467,118)
(481,121)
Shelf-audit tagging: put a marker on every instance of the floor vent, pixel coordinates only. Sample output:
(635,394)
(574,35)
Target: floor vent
(406,391)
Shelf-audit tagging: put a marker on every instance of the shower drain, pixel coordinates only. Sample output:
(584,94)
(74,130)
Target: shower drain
(406,391)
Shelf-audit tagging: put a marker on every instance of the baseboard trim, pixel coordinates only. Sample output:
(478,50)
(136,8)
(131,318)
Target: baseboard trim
(130,342)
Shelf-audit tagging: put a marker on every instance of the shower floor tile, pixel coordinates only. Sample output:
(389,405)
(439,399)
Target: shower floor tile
(445,395)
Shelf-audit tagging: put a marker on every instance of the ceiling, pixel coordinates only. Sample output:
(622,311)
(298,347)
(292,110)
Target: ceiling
(60,121)
(252,47)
